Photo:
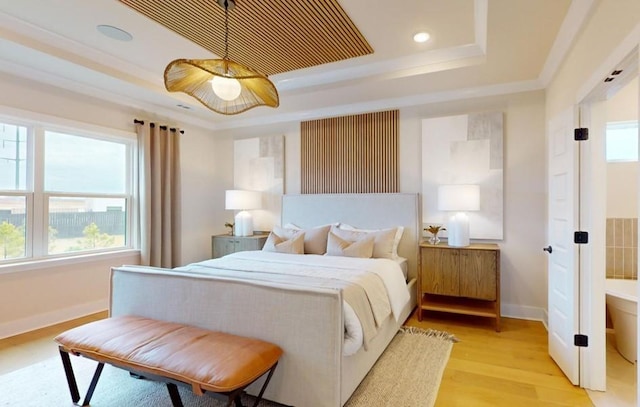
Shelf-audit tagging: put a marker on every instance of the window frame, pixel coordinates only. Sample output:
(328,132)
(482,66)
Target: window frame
(37,199)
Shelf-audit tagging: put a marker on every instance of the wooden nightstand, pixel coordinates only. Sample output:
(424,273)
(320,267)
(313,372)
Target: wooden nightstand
(222,245)
(462,280)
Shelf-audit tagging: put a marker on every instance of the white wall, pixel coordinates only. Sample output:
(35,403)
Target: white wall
(523,264)
(36,296)
(622,193)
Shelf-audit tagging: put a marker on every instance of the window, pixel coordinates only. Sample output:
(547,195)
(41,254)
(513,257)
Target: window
(63,192)
(13,188)
(622,141)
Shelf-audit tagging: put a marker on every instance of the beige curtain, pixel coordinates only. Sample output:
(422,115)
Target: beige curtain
(159,194)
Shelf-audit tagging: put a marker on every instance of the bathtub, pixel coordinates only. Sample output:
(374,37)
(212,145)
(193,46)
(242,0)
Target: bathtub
(622,303)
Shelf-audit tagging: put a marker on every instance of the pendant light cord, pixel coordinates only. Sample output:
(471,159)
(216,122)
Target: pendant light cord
(226,29)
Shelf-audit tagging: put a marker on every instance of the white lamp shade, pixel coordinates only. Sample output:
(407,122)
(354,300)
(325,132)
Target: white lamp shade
(459,197)
(236,199)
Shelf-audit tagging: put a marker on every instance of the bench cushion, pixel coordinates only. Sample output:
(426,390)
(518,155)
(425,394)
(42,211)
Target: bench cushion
(206,360)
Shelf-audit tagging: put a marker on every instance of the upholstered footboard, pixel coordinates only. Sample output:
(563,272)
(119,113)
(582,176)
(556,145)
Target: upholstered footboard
(306,323)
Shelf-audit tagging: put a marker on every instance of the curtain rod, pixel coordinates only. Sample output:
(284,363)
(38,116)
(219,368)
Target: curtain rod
(152,124)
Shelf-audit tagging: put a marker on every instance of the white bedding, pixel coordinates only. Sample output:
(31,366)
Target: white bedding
(321,271)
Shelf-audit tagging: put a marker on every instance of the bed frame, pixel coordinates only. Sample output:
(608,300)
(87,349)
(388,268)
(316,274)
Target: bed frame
(306,323)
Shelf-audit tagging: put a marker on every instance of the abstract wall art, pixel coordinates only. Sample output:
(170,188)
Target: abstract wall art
(465,149)
(258,165)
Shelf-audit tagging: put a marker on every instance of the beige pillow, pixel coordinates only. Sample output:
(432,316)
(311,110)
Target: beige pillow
(285,244)
(337,246)
(315,239)
(386,240)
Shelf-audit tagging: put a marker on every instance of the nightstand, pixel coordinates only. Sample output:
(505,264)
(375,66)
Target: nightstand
(222,245)
(461,280)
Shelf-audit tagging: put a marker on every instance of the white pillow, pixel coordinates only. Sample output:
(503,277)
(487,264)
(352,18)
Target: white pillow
(386,240)
(361,247)
(281,243)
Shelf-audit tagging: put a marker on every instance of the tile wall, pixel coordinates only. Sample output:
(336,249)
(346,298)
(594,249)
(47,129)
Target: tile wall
(622,248)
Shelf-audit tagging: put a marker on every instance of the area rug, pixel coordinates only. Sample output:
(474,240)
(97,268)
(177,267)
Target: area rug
(407,374)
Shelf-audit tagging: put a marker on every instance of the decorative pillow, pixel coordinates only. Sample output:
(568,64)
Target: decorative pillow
(386,240)
(337,246)
(315,239)
(284,244)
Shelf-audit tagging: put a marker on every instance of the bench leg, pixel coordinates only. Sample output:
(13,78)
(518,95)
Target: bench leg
(71,379)
(175,395)
(264,386)
(235,396)
(94,383)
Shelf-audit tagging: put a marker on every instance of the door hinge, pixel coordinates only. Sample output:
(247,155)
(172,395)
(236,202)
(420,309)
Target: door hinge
(581,237)
(581,340)
(581,134)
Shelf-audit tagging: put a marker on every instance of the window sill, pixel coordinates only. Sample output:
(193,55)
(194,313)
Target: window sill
(64,261)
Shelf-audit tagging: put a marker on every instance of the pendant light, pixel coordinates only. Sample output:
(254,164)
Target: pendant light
(222,85)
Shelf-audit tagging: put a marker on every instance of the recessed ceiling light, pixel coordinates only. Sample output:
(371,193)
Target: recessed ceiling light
(421,37)
(114,32)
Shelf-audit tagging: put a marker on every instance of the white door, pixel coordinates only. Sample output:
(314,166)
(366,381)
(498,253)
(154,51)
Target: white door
(562,252)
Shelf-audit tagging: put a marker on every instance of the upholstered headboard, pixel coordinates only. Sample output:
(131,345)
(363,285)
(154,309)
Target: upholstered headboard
(365,211)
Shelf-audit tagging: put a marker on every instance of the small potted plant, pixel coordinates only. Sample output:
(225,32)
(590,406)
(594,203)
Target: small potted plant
(434,230)
(230,226)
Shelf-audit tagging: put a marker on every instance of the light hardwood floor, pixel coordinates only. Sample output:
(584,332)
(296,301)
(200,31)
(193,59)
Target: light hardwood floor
(26,349)
(487,368)
(494,369)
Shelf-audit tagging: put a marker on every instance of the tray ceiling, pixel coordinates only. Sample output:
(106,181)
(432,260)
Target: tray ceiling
(272,37)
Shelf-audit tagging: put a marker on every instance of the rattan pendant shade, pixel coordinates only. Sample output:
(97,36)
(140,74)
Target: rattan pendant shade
(195,78)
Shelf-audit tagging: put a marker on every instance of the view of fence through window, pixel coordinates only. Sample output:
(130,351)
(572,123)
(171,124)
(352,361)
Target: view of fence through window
(77,224)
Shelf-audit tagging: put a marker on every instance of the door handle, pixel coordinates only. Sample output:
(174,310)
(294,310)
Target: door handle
(548,249)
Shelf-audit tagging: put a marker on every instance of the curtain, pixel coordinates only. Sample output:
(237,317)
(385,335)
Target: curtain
(159,195)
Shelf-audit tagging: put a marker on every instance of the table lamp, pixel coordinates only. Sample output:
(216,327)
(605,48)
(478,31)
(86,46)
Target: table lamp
(458,199)
(242,201)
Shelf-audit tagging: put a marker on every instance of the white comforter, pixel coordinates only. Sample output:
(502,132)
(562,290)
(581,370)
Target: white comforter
(324,271)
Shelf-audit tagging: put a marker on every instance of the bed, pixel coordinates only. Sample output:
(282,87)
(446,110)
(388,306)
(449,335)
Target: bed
(307,322)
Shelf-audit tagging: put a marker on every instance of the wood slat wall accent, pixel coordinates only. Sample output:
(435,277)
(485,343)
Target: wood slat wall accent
(350,154)
(268,36)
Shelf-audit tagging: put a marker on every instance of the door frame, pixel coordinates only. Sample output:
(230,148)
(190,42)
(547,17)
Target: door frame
(592,294)
(592,256)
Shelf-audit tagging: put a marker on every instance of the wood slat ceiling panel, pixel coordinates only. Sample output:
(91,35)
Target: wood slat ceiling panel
(269,36)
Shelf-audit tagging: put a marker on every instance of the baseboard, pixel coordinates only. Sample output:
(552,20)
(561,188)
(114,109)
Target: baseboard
(20,326)
(524,312)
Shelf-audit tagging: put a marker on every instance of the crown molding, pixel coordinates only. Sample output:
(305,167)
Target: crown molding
(398,67)
(577,15)
(385,104)
(73,86)
(47,42)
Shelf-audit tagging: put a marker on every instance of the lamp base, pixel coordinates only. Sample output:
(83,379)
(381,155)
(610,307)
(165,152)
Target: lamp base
(244,224)
(458,229)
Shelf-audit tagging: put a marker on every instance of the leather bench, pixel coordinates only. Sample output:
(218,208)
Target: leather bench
(176,354)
